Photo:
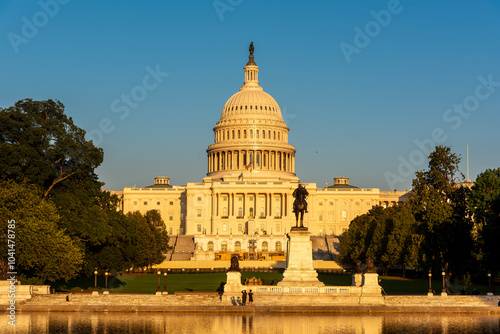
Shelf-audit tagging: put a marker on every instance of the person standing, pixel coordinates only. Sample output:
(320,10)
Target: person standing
(250,298)
(243,297)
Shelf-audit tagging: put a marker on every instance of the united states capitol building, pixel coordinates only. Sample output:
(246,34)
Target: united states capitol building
(244,203)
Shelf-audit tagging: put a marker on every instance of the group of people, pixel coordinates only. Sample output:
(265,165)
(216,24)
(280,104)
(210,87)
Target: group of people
(244,297)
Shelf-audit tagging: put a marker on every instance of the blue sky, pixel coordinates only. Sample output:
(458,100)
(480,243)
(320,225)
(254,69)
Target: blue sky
(366,88)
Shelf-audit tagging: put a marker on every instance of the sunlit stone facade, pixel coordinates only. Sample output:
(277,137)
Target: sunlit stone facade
(249,183)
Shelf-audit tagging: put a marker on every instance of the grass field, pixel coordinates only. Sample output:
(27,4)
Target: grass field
(147,283)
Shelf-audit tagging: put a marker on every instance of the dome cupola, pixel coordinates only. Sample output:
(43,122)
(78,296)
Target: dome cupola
(251,135)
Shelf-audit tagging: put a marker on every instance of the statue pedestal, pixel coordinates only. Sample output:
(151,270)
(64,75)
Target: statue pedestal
(233,287)
(357,279)
(299,270)
(370,284)
(233,282)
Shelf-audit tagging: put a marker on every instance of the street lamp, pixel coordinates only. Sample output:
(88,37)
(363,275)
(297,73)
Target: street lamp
(95,281)
(158,291)
(106,291)
(95,292)
(490,290)
(165,282)
(430,284)
(443,292)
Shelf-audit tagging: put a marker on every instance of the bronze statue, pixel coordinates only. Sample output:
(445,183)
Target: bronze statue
(358,269)
(251,48)
(300,204)
(370,267)
(235,264)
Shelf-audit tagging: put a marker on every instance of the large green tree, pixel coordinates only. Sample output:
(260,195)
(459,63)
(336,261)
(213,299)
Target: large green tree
(42,146)
(484,203)
(387,235)
(152,238)
(438,204)
(40,248)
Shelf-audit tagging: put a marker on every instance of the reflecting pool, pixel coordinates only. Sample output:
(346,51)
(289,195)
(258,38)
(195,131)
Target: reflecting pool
(261,323)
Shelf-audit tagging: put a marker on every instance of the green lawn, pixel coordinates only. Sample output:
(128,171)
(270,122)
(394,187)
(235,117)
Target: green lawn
(140,283)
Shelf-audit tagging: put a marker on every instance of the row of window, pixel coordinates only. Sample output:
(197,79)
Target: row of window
(157,203)
(278,246)
(237,134)
(344,203)
(233,108)
(344,216)
(250,212)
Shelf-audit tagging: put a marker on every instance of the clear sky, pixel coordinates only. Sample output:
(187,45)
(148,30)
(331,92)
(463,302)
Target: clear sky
(366,88)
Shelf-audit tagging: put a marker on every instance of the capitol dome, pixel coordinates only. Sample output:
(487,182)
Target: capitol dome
(251,135)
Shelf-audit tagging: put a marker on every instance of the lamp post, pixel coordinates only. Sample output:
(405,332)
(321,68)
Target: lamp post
(443,292)
(430,284)
(165,283)
(95,292)
(106,291)
(158,291)
(490,290)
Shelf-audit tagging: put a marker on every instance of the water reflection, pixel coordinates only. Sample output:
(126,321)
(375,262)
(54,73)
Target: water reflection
(248,323)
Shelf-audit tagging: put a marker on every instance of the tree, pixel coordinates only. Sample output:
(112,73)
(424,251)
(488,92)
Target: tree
(42,146)
(387,235)
(484,204)
(40,248)
(437,202)
(152,238)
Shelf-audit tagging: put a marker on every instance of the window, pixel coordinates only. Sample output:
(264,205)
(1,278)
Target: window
(223,247)
(199,199)
(265,246)
(344,215)
(135,202)
(250,199)
(277,199)
(320,203)
(145,203)
(170,230)
(171,203)
(210,246)
(331,203)
(198,212)
(251,212)
(278,246)
(331,216)
(224,212)
(240,198)
(157,203)
(170,216)
(237,246)
(277,212)
(182,216)
(262,227)
(262,214)
(224,227)
(240,228)
(198,227)
(240,212)
(224,199)
(277,227)
(320,217)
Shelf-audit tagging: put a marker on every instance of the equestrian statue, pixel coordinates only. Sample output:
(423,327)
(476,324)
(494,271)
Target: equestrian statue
(300,204)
